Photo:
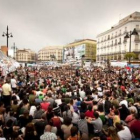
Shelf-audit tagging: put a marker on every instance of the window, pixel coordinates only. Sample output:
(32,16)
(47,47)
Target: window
(108,37)
(125,29)
(137,27)
(119,40)
(136,47)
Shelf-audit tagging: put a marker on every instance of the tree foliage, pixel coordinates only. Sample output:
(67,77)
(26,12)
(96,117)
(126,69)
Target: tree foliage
(130,55)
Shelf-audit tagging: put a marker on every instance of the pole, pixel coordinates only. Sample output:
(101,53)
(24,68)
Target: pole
(7,35)
(130,48)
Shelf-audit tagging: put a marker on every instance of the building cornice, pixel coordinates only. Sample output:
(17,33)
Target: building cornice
(117,26)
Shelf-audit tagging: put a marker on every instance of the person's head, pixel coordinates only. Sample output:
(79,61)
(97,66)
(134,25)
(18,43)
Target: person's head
(123,106)
(119,126)
(74,131)
(67,121)
(48,128)
(15,102)
(9,123)
(116,112)
(7,81)
(11,113)
(30,128)
(49,95)
(100,108)
(90,108)
(112,133)
(50,109)
(25,101)
(96,115)
(82,115)
(133,111)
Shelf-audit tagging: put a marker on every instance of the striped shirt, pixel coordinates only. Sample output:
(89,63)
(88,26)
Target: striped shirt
(82,126)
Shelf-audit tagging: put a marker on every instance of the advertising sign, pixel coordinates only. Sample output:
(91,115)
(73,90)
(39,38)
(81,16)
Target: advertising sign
(79,51)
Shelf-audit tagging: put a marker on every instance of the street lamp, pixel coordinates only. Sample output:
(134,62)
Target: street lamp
(8,35)
(128,35)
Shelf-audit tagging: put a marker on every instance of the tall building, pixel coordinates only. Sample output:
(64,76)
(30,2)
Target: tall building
(25,56)
(80,48)
(112,45)
(50,53)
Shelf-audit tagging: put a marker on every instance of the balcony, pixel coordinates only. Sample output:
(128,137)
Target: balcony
(137,40)
(119,43)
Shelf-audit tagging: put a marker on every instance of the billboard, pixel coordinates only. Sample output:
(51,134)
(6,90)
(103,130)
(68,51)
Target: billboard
(79,51)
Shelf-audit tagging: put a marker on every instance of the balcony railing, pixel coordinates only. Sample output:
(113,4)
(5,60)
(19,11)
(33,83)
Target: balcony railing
(137,40)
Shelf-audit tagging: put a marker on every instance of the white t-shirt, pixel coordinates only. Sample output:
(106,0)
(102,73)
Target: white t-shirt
(32,110)
(125,134)
(2,138)
(82,94)
(13,83)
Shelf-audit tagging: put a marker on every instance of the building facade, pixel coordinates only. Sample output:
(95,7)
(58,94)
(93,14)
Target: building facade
(25,56)
(80,48)
(4,49)
(112,45)
(50,53)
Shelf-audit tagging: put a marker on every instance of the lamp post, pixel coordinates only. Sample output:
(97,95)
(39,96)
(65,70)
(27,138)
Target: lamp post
(7,34)
(128,35)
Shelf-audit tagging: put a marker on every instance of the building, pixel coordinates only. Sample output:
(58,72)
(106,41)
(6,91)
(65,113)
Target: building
(50,53)
(25,56)
(112,45)
(4,50)
(82,48)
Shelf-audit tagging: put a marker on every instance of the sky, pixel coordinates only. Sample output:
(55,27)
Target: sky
(39,23)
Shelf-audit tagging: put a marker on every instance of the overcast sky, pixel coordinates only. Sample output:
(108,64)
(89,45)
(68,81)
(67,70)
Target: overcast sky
(39,23)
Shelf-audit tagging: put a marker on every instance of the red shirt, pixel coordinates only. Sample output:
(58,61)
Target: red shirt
(89,114)
(135,128)
(45,105)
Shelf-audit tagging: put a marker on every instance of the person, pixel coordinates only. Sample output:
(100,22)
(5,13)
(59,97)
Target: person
(30,132)
(74,134)
(111,133)
(135,126)
(1,135)
(50,99)
(48,135)
(66,127)
(97,124)
(6,93)
(13,83)
(89,112)
(123,132)
(124,112)
(82,124)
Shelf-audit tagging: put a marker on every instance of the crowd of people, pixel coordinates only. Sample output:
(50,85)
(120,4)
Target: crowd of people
(70,104)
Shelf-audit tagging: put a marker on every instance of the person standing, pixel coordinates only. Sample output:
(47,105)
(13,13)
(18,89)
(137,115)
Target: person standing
(13,84)
(48,135)
(6,92)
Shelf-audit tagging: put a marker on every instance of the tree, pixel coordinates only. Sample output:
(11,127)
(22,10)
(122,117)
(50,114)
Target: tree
(130,55)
